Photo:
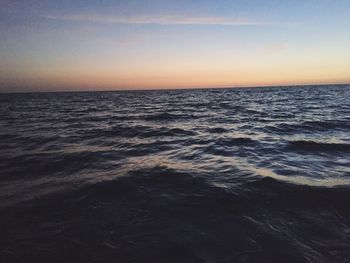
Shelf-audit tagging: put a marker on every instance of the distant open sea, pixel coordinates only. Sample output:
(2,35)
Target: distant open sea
(217,175)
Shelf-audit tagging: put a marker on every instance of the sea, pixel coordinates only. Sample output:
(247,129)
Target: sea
(207,175)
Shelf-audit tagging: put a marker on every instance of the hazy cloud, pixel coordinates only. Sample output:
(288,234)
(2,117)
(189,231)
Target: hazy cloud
(159,19)
(276,46)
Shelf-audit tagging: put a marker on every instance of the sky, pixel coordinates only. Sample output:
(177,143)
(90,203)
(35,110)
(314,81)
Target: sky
(155,44)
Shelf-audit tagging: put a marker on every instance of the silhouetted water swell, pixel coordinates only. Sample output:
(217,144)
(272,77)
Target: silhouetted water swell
(241,175)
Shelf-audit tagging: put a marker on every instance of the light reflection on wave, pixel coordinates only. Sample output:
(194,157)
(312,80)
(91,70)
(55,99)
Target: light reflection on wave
(241,175)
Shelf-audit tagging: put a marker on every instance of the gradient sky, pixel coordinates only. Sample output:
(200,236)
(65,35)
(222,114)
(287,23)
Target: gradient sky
(103,45)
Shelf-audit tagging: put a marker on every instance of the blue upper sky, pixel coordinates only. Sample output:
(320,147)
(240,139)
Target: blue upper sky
(59,45)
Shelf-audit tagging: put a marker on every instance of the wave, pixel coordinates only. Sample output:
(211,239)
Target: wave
(217,130)
(312,146)
(180,217)
(310,126)
(229,146)
(168,117)
(136,131)
(238,141)
(176,176)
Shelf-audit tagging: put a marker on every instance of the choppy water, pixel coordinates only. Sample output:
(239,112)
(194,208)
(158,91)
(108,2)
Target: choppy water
(231,175)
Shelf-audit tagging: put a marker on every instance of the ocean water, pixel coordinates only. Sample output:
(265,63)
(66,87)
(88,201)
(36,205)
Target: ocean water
(218,175)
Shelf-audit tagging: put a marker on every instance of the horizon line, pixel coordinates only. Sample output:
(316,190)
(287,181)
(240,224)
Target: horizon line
(181,88)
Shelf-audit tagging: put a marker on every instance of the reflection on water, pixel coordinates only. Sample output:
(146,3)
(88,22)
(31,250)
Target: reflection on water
(236,175)
(298,135)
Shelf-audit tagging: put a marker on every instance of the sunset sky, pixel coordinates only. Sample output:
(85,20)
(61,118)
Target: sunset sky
(105,45)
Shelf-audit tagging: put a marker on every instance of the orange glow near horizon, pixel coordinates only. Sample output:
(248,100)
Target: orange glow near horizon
(178,76)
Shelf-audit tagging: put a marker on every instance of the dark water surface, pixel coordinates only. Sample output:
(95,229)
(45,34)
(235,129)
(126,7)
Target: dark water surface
(233,175)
